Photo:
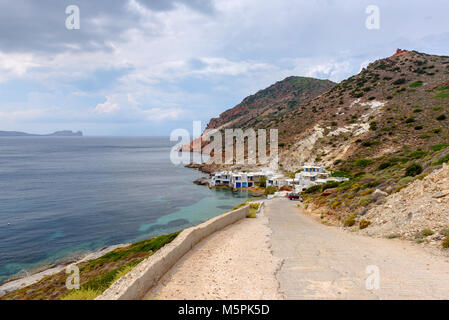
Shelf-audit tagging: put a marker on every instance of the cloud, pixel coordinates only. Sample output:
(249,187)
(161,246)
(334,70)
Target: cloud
(107,107)
(15,65)
(172,61)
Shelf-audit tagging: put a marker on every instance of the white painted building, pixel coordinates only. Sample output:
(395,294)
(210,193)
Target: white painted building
(313,174)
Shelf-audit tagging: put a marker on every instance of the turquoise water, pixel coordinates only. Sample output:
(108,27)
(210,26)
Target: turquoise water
(64,196)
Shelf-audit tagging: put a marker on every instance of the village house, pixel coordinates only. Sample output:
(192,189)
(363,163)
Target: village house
(313,174)
(310,175)
(237,180)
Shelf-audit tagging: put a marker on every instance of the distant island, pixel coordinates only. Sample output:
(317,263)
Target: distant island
(65,133)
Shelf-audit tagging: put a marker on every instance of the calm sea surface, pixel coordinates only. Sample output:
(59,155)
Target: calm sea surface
(60,196)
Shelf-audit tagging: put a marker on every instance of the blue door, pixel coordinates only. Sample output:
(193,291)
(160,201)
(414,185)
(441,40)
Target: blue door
(238,185)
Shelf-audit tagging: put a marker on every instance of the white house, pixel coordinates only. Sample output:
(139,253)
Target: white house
(311,175)
(235,180)
(221,179)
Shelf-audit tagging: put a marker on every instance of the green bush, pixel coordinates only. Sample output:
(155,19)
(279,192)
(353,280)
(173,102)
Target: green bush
(393,236)
(399,82)
(416,84)
(418,154)
(384,165)
(364,224)
(441,117)
(427,233)
(445,243)
(440,147)
(341,174)
(442,95)
(363,163)
(350,221)
(330,185)
(444,159)
(413,170)
(270,190)
(263,182)
(254,206)
(312,189)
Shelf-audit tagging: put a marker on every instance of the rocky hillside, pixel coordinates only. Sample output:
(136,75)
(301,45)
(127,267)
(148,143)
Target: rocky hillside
(419,212)
(394,105)
(385,128)
(274,102)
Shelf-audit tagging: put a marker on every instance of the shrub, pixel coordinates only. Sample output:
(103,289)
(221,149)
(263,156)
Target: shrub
(330,185)
(427,233)
(270,190)
(440,147)
(251,215)
(418,127)
(384,165)
(413,170)
(444,159)
(312,189)
(442,117)
(254,206)
(410,120)
(442,95)
(82,294)
(350,221)
(393,236)
(416,84)
(335,204)
(418,154)
(399,81)
(363,163)
(341,174)
(364,224)
(445,243)
(263,182)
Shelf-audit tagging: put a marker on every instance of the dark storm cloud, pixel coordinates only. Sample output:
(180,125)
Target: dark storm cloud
(39,25)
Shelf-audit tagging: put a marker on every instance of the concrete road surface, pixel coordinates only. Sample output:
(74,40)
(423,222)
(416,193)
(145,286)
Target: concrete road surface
(321,262)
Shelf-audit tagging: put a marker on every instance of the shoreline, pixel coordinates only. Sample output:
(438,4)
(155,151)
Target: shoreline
(35,275)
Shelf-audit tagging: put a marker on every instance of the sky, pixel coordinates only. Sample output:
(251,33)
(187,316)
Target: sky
(147,67)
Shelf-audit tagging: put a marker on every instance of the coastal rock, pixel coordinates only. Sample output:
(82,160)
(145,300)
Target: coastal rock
(193,165)
(202,182)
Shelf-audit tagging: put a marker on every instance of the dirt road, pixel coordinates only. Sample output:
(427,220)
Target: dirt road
(234,263)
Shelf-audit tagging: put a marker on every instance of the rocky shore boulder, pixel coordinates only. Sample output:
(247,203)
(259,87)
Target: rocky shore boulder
(202,182)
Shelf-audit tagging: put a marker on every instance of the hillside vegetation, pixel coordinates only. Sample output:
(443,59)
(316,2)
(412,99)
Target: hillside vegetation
(95,275)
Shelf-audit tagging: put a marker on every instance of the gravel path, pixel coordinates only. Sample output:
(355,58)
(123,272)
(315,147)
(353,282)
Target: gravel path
(321,262)
(234,263)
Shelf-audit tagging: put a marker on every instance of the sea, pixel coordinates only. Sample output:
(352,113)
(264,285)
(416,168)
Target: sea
(61,197)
